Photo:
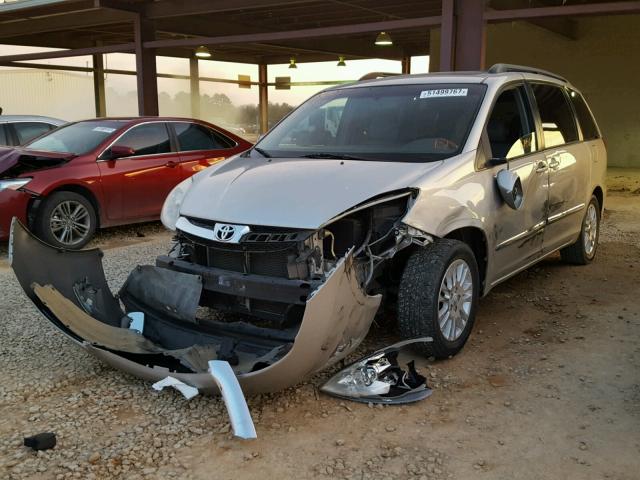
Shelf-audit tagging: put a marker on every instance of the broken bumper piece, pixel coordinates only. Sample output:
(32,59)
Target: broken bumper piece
(234,400)
(70,290)
(379,378)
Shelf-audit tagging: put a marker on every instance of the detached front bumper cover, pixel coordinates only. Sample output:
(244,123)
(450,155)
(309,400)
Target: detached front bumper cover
(70,290)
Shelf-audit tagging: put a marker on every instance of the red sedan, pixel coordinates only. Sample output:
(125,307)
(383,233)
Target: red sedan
(104,172)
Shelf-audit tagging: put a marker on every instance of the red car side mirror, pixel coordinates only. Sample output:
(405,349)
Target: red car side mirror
(120,151)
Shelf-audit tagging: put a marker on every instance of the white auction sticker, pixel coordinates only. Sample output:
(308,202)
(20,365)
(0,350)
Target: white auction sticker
(104,129)
(444,92)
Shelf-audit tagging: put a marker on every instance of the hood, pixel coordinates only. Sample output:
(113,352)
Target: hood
(293,192)
(15,161)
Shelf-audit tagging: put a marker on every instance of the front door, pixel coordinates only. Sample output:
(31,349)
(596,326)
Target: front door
(569,164)
(512,136)
(135,187)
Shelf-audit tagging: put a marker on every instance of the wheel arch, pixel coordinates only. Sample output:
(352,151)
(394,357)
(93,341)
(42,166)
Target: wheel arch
(598,192)
(476,239)
(70,187)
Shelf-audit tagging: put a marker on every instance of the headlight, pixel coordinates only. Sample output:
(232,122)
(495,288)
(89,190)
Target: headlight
(171,208)
(14,183)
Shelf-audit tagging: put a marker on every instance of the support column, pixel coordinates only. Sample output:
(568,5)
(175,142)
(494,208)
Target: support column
(146,67)
(406,65)
(463,35)
(447,36)
(194,81)
(98,86)
(263,105)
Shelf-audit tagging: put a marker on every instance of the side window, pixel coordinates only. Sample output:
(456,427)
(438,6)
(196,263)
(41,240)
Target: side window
(3,135)
(29,130)
(510,128)
(558,123)
(587,123)
(192,136)
(146,139)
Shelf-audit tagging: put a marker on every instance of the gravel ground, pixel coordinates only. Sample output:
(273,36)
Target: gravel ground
(548,387)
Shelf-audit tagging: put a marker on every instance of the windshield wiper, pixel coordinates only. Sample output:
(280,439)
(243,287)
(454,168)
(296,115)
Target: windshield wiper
(262,152)
(333,156)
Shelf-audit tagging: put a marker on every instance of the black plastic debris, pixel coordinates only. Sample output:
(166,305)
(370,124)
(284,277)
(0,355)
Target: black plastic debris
(41,441)
(379,378)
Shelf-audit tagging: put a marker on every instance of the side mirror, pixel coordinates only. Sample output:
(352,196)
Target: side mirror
(120,151)
(510,187)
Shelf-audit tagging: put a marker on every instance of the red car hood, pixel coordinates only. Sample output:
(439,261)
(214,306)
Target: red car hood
(15,161)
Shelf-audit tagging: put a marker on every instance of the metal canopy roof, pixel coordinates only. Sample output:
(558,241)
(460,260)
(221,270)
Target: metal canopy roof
(267,31)
(77,24)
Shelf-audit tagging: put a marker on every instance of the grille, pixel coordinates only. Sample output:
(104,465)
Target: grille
(264,251)
(261,234)
(271,262)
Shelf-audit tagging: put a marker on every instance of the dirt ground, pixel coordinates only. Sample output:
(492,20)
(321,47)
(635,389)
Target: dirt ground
(547,387)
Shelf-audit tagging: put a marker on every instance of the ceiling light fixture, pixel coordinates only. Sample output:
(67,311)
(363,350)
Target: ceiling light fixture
(383,39)
(292,62)
(202,52)
(341,62)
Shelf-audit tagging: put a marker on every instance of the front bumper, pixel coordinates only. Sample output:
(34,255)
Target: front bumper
(13,203)
(337,317)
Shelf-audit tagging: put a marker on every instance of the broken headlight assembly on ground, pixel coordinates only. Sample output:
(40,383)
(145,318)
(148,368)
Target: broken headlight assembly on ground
(380,378)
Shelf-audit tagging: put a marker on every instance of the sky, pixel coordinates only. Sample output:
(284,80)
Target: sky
(320,71)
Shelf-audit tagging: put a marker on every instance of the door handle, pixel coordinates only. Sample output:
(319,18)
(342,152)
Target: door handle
(542,166)
(171,164)
(554,163)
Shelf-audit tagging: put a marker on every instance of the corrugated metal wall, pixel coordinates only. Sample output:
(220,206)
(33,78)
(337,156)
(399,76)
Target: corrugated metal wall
(64,95)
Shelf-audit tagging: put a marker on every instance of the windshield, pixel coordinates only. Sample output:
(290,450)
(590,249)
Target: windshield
(78,138)
(403,123)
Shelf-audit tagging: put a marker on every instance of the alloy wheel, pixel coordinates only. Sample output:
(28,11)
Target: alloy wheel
(70,222)
(590,235)
(455,299)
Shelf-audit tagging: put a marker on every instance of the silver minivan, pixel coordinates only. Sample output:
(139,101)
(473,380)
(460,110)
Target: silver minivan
(424,191)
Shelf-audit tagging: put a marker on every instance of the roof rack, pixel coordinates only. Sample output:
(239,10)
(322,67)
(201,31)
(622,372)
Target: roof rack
(506,67)
(374,75)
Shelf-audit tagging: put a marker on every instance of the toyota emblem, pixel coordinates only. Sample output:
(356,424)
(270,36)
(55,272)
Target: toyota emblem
(224,232)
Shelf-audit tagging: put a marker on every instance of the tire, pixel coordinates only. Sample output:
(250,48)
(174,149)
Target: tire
(419,297)
(584,250)
(75,216)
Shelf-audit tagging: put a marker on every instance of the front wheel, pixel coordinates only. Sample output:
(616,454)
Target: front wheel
(584,250)
(438,296)
(66,219)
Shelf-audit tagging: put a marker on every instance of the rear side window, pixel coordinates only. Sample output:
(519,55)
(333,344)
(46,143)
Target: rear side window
(29,130)
(556,115)
(587,123)
(147,139)
(192,136)
(3,136)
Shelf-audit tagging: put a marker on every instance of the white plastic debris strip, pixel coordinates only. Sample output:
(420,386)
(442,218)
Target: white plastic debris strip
(186,390)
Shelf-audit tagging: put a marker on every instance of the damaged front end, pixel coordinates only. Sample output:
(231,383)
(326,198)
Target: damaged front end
(276,304)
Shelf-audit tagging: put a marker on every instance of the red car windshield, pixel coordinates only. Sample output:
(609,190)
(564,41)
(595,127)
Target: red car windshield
(77,138)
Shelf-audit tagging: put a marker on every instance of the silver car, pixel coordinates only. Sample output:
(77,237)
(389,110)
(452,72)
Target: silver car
(424,191)
(19,129)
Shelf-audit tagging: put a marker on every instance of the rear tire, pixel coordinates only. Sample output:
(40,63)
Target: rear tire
(438,297)
(66,220)
(584,250)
